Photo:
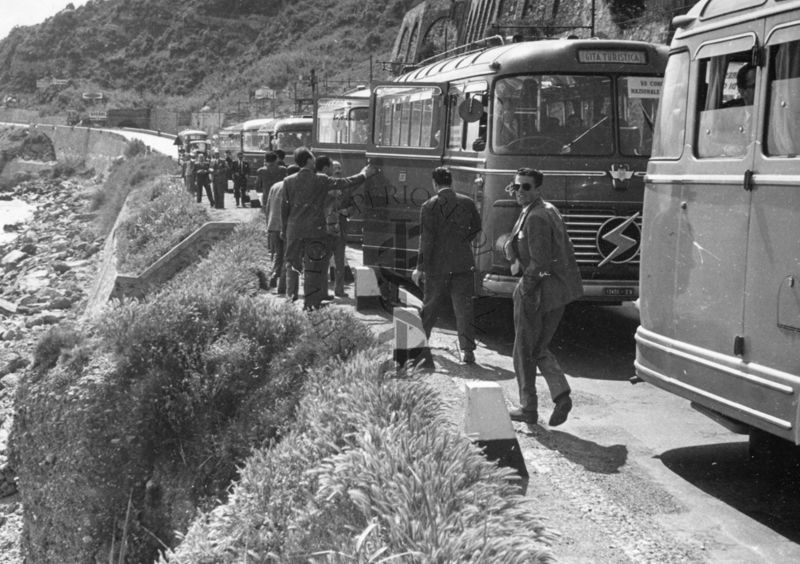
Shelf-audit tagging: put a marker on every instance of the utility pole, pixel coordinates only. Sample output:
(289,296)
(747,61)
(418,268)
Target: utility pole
(593,8)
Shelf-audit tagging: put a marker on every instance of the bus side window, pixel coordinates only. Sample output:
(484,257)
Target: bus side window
(783,117)
(725,117)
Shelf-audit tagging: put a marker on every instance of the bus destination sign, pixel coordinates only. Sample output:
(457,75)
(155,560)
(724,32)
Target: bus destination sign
(609,56)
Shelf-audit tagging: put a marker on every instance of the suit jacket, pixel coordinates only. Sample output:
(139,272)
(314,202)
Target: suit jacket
(304,196)
(240,170)
(268,175)
(548,260)
(449,222)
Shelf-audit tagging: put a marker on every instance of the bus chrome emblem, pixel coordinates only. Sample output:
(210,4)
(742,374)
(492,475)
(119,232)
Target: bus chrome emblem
(621,175)
(618,239)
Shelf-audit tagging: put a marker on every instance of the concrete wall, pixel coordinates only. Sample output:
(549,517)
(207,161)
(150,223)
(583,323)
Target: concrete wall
(96,148)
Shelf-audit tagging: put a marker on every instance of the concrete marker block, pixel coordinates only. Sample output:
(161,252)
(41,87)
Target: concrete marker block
(368,293)
(488,425)
(410,342)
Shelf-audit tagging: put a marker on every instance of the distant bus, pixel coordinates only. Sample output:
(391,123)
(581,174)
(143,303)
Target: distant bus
(720,273)
(341,131)
(256,141)
(581,111)
(291,133)
(193,140)
(230,139)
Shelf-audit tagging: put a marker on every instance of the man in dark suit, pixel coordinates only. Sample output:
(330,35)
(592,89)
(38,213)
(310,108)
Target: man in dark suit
(241,170)
(449,222)
(303,219)
(539,248)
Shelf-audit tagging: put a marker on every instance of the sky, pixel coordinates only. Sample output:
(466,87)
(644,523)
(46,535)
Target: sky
(29,12)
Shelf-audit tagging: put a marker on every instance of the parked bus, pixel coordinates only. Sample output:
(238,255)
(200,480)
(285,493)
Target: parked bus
(341,131)
(581,111)
(291,133)
(720,275)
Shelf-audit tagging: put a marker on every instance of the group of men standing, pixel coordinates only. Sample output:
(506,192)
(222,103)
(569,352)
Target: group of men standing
(540,252)
(211,176)
(302,237)
(304,201)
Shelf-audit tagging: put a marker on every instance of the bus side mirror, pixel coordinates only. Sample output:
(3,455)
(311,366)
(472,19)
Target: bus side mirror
(479,144)
(470,109)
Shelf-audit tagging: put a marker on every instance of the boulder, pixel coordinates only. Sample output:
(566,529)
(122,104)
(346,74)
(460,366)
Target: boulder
(13,258)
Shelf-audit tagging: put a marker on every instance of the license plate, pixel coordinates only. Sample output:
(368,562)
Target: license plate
(624,292)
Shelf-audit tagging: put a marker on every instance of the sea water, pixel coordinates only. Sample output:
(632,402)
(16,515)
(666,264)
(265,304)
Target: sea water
(12,212)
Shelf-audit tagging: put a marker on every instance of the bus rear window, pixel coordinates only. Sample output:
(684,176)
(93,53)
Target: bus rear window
(552,114)
(342,121)
(404,116)
(783,118)
(670,133)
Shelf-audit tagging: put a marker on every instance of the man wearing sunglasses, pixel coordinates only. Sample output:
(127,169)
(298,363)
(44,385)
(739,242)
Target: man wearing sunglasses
(541,251)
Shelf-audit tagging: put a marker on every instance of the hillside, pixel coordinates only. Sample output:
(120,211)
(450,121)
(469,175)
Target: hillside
(160,51)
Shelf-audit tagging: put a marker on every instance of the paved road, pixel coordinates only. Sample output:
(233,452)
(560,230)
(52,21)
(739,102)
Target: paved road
(635,475)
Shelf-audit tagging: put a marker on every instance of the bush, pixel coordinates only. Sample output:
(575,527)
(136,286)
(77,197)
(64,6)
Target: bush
(164,218)
(134,147)
(121,180)
(370,468)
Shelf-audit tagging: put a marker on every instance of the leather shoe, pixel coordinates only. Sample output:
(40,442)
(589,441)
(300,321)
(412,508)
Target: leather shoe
(468,357)
(560,411)
(529,417)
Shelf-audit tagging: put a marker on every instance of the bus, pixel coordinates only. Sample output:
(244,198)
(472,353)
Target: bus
(581,111)
(191,140)
(291,133)
(720,272)
(256,141)
(230,139)
(341,131)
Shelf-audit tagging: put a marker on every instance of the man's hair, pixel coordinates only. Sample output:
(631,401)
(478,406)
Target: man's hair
(270,157)
(302,155)
(442,177)
(537,176)
(741,74)
(281,153)
(322,162)
(292,169)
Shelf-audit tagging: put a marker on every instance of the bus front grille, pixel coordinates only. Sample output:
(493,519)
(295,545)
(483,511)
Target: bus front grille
(598,235)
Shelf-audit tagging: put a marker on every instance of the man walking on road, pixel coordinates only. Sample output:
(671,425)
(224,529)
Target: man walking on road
(449,222)
(303,216)
(540,249)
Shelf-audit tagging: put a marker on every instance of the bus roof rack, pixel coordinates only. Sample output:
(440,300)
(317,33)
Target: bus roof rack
(485,43)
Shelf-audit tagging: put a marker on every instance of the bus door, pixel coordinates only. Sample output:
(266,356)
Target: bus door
(465,150)
(771,335)
(341,131)
(408,124)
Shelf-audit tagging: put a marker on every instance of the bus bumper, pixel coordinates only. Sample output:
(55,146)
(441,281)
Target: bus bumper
(593,290)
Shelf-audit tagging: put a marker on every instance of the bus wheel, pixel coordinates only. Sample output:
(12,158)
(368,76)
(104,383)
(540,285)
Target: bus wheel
(494,316)
(772,453)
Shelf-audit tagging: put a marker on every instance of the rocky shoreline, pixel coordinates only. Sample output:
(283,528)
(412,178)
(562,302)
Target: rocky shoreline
(45,275)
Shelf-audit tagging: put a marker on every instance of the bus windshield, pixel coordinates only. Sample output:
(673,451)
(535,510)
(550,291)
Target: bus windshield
(255,141)
(552,114)
(289,139)
(339,122)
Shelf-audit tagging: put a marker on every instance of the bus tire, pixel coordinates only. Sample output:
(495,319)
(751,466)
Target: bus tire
(494,316)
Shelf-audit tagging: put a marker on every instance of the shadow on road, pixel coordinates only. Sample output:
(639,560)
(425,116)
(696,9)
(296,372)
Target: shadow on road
(592,456)
(757,489)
